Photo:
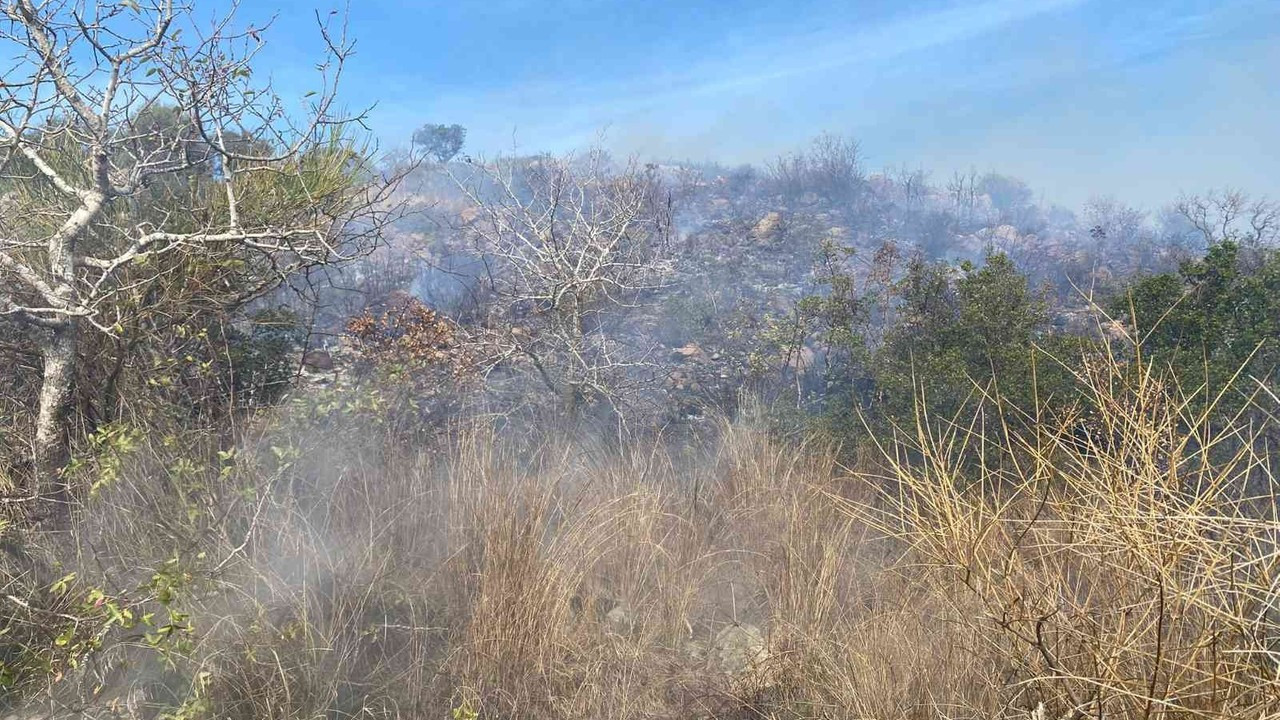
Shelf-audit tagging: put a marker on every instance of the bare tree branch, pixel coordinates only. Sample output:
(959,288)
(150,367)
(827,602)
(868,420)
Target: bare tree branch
(127,151)
(569,245)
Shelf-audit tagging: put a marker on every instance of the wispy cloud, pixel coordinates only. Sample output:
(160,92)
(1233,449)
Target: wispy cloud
(879,43)
(1051,90)
(558,111)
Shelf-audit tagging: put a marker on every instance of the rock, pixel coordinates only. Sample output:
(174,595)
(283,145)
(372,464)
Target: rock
(801,360)
(739,648)
(1007,233)
(618,620)
(769,228)
(696,650)
(1115,331)
(317,360)
(687,353)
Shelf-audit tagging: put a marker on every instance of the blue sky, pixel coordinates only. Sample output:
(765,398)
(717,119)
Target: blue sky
(1133,98)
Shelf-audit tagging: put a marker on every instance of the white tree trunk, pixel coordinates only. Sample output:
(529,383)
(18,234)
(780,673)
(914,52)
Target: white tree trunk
(51,448)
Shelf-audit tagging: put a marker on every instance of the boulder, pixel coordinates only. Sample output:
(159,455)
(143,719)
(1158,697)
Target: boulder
(802,360)
(618,620)
(739,648)
(690,352)
(1006,233)
(768,229)
(318,360)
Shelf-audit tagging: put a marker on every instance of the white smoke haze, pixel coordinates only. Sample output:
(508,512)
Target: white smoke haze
(848,362)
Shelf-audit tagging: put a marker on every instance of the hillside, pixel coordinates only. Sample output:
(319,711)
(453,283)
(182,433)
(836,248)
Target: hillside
(294,427)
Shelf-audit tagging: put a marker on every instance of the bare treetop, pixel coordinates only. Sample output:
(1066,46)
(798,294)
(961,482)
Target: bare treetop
(1232,215)
(567,244)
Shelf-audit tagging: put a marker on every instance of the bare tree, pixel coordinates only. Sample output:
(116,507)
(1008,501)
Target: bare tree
(568,246)
(1232,215)
(131,135)
(912,187)
(963,191)
(830,168)
(1120,234)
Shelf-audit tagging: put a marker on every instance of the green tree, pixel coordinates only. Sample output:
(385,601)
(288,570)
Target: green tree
(441,142)
(960,331)
(1215,319)
(842,317)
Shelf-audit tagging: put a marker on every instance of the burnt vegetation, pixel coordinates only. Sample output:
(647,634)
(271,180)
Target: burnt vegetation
(290,429)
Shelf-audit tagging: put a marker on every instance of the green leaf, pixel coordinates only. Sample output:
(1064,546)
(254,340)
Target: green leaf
(60,587)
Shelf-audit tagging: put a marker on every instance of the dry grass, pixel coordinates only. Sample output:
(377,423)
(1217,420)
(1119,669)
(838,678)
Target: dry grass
(965,577)
(1126,572)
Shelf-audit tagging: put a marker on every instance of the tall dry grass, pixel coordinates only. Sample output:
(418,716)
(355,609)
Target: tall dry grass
(1128,570)
(1040,573)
